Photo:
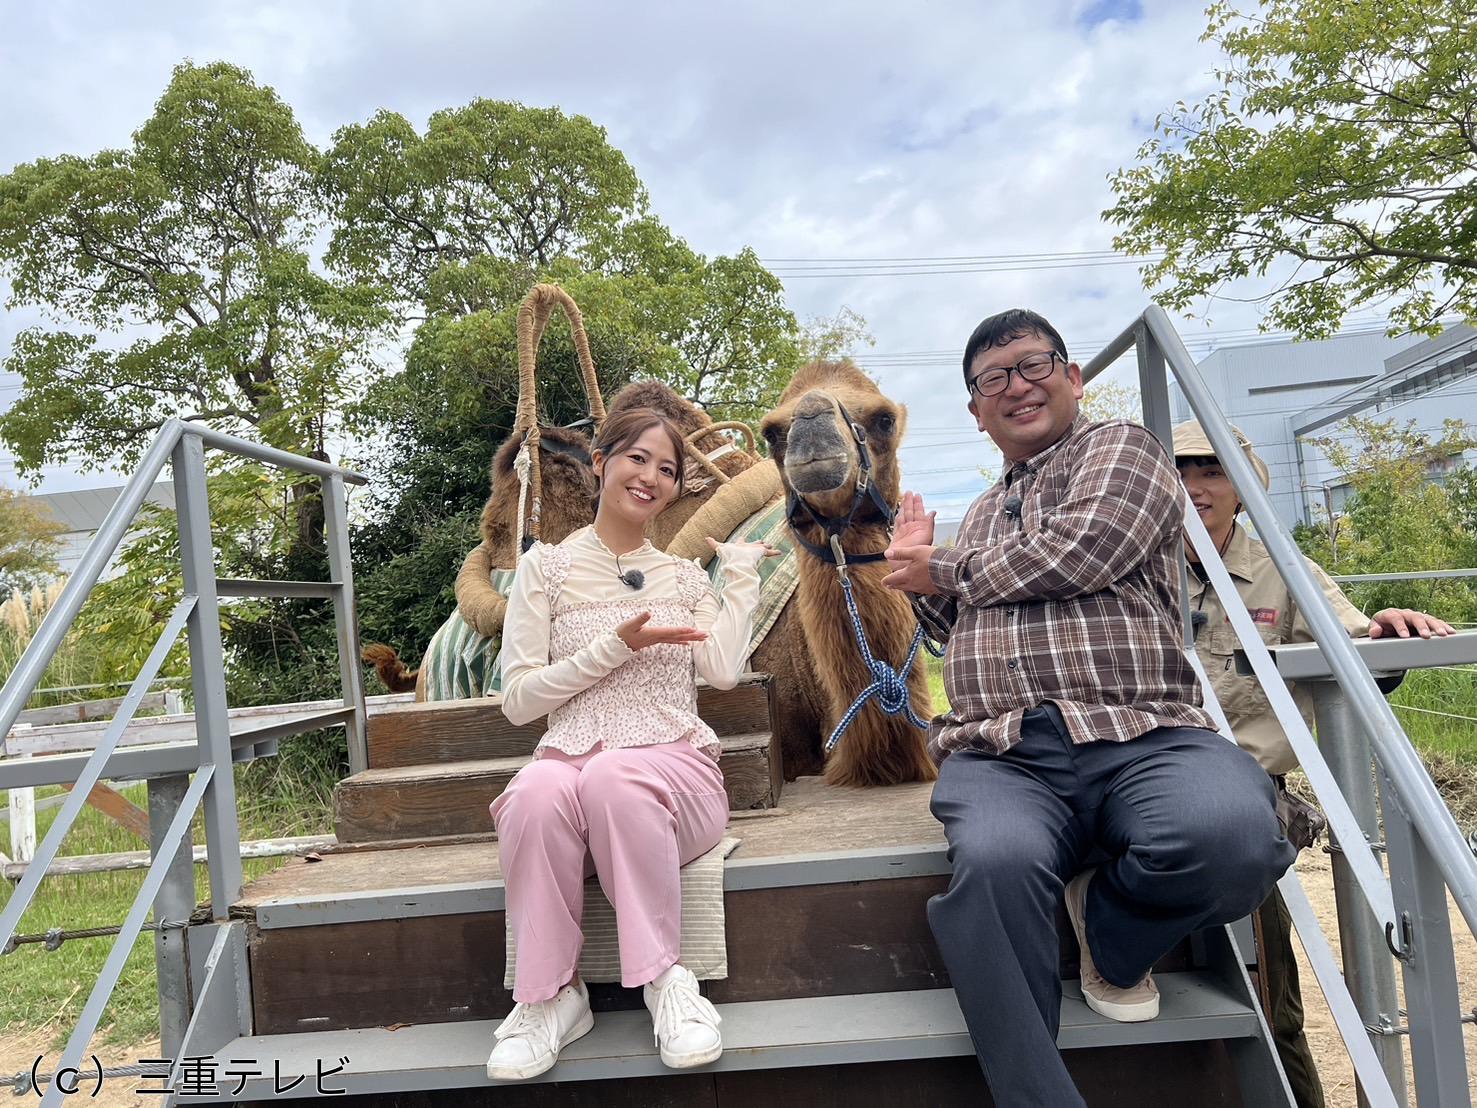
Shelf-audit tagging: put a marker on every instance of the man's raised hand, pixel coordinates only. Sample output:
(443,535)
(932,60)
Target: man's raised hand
(914,525)
(637,633)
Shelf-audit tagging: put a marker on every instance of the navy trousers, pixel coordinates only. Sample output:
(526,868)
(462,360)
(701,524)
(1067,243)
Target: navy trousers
(1187,824)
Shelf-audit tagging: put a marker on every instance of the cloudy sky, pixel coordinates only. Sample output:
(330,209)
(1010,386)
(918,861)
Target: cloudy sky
(818,132)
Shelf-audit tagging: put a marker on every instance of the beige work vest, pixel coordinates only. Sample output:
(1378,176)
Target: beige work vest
(1277,619)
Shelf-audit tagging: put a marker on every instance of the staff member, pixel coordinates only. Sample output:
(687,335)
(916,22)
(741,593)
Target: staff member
(1247,709)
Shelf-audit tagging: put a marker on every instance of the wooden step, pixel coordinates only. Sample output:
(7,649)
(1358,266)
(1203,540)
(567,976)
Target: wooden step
(463,730)
(451,798)
(777,1035)
(825,896)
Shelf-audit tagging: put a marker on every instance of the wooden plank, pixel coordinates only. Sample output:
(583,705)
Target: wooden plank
(1198,1073)
(118,808)
(85,710)
(65,737)
(816,818)
(451,798)
(22,806)
(71,864)
(462,730)
(795,941)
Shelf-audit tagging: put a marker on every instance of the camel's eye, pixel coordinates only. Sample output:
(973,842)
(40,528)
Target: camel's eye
(771,435)
(884,423)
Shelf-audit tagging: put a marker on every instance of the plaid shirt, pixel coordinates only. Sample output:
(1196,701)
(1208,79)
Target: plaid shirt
(1075,599)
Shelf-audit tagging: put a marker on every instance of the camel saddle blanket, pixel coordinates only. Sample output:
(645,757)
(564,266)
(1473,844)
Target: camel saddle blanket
(778,577)
(459,662)
(704,943)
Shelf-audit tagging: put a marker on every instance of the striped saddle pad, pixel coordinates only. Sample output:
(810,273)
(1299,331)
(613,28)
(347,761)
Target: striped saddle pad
(778,577)
(459,662)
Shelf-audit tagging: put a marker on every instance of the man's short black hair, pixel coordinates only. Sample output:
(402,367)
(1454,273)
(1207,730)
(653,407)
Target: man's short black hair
(1008,326)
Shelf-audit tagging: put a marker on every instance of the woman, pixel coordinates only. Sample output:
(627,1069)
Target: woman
(603,634)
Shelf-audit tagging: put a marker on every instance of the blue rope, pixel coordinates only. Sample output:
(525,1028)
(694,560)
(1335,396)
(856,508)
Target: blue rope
(889,686)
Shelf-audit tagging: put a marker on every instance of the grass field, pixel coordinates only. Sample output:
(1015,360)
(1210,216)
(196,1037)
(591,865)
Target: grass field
(41,988)
(47,989)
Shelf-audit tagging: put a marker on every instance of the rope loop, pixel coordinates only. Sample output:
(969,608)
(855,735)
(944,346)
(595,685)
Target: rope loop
(889,686)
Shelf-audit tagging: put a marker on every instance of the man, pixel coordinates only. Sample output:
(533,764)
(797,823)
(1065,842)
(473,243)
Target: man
(1075,720)
(1247,709)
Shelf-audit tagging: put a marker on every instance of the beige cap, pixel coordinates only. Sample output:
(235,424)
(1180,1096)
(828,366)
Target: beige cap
(1190,442)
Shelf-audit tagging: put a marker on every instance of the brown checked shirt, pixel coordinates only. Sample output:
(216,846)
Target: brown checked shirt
(1075,601)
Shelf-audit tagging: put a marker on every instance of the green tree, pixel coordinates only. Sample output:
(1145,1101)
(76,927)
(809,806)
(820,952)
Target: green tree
(180,276)
(494,179)
(462,219)
(836,336)
(1397,518)
(28,542)
(1341,146)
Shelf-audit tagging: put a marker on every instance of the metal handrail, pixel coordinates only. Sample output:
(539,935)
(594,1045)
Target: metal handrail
(1428,855)
(1428,813)
(28,671)
(197,612)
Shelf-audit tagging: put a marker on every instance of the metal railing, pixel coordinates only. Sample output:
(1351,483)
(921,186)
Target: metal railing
(1427,853)
(168,886)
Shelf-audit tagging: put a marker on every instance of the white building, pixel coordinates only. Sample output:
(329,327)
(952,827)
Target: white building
(1284,393)
(82,513)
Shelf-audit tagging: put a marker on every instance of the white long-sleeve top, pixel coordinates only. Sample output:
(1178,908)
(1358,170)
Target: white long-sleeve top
(561,656)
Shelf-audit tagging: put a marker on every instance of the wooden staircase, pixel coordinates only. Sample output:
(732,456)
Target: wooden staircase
(392,957)
(434,768)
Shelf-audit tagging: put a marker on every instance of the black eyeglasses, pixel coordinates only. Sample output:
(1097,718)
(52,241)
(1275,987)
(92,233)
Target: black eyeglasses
(1033,367)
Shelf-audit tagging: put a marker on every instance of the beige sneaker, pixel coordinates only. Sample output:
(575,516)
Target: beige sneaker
(1134,1004)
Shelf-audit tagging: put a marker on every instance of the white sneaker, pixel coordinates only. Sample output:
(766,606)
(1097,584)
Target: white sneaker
(1134,1004)
(530,1039)
(684,1021)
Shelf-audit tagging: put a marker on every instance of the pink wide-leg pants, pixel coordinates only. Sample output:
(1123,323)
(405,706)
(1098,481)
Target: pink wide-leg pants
(633,816)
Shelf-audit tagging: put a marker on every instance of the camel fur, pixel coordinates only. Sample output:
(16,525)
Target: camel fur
(812,651)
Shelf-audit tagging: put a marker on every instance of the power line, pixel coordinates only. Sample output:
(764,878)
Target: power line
(1049,254)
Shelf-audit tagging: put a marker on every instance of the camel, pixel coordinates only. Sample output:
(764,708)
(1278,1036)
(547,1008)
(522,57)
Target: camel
(816,436)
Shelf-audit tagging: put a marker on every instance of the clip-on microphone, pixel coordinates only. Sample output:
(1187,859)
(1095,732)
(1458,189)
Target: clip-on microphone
(1012,507)
(631,578)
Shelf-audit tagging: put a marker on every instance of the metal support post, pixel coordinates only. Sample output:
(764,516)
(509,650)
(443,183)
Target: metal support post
(208,674)
(1437,1054)
(175,902)
(1154,386)
(1368,967)
(346,616)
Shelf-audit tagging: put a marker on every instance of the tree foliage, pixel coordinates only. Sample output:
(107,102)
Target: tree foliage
(1398,519)
(180,274)
(357,304)
(1341,145)
(28,542)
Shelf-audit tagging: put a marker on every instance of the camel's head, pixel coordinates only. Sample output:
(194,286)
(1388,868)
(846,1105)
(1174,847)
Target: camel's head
(814,434)
(568,491)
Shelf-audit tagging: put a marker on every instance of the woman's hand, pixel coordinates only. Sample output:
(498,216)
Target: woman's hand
(769,551)
(638,634)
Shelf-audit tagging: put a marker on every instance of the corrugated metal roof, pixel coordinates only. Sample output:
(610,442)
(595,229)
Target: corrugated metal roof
(83,510)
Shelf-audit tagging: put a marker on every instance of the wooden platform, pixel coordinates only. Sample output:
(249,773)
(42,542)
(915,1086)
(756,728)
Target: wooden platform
(836,992)
(813,818)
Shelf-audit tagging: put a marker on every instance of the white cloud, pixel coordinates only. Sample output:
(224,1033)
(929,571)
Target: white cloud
(803,130)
